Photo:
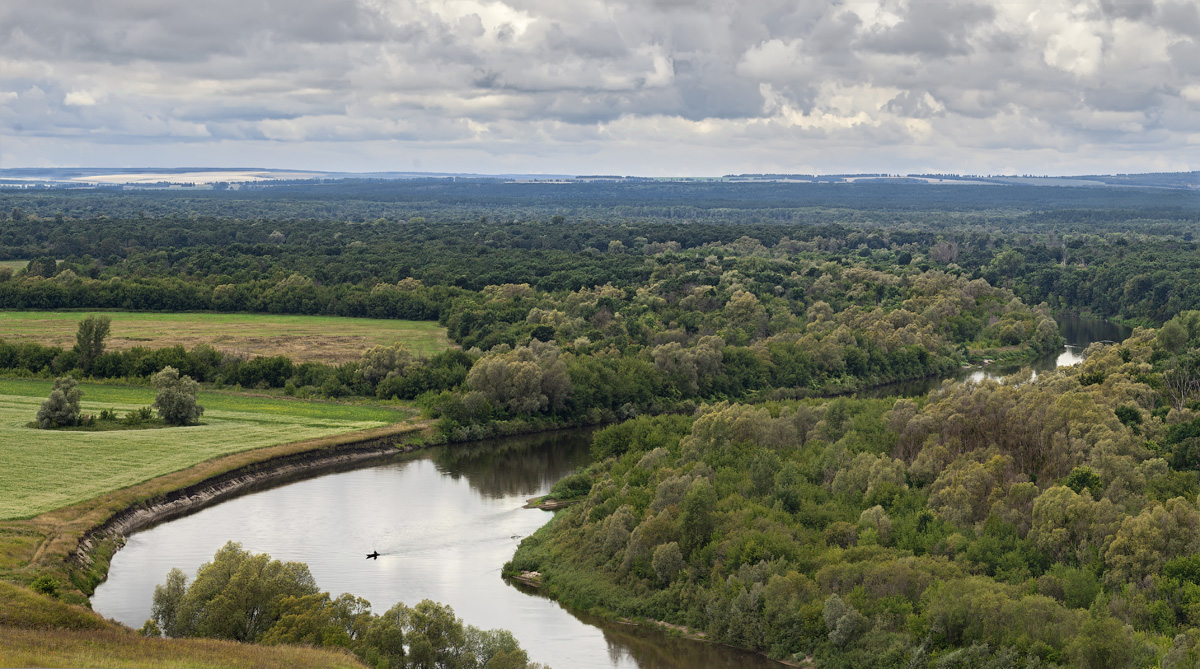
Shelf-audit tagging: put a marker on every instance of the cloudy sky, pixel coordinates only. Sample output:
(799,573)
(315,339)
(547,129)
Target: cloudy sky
(648,87)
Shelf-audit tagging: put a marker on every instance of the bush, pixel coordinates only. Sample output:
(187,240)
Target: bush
(575,485)
(138,416)
(62,407)
(176,397)
(45,584)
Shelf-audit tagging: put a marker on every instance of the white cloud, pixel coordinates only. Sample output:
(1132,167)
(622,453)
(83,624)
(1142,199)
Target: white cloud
(1075,48)
(79,99)
(873,85)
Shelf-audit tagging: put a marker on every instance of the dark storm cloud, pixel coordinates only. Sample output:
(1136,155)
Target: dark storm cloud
(913,83)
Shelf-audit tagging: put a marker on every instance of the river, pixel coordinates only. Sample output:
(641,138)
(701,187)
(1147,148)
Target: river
(1078,333)
(445,521)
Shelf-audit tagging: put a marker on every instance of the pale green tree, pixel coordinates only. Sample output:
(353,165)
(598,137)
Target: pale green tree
(238,596)
(61,409)
(175,400)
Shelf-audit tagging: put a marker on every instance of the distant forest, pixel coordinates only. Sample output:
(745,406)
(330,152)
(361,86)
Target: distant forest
(722,330)
(1121,253)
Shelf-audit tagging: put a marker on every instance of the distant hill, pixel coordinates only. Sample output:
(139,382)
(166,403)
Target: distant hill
(232,177)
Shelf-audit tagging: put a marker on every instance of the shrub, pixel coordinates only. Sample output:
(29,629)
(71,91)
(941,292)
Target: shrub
(575,485)
(138,416)
(62,407)
(45,584)
(176,397)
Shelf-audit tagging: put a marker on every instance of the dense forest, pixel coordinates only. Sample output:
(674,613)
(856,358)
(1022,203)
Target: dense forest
(1029,522)
(720,330)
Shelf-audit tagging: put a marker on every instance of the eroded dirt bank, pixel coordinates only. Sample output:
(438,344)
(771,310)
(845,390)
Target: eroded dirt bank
(238,481)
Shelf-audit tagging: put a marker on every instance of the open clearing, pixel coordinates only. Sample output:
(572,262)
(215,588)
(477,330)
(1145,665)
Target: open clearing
(41,470)
(16,265)
(328,339)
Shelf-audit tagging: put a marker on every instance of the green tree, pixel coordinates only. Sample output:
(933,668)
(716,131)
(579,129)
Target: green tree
(61,409)
(696,521)
(524,380)
(1101,644)
(1172,336)
(237,596)
(164,610)
(176,397)
(667,561)
(380,362)
(89,340)
(320,620)
(843,621)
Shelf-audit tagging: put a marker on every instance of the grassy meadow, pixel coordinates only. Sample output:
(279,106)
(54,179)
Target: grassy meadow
(16,265)
(41,470)
(328,339)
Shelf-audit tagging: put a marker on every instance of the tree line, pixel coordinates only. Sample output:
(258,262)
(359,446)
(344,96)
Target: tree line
(1048,521)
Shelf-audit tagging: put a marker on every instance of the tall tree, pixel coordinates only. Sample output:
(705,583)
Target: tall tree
(89,340)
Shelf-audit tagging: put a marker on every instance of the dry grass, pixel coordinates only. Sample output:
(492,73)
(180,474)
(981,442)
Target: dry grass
(117,648)
(328,339)
(40,631)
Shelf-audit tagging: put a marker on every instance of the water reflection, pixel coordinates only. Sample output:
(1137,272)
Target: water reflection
(649,648)
(444,521)
(498,468)
(1079,333)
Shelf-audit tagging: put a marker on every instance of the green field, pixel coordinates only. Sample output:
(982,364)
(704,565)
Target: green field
(41,470)
(16,265)
(329,339)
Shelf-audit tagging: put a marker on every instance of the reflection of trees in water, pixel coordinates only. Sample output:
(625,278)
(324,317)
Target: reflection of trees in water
(515,465)
(1083,331)
(646,648)
(649,649)
(1078,332)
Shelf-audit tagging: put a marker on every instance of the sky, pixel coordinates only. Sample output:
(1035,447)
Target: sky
(639,87)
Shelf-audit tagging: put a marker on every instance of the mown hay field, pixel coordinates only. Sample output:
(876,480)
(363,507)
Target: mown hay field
(41,470)
(329,339)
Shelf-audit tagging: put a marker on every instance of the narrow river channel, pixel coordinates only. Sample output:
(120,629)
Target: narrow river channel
(444,522)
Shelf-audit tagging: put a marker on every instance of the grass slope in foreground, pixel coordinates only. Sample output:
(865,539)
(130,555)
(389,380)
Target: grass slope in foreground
(329,339)
(39,631)
(41,470)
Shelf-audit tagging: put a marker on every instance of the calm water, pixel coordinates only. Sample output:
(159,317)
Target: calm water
(444,523)
(1078,332)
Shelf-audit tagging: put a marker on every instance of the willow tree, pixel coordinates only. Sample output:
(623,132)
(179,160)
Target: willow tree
(175,400)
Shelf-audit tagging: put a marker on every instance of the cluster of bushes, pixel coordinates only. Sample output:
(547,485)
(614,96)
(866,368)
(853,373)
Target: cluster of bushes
(175,402)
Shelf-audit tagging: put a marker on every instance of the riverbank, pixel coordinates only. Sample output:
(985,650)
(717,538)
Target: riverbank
(67,551)
(73,544)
